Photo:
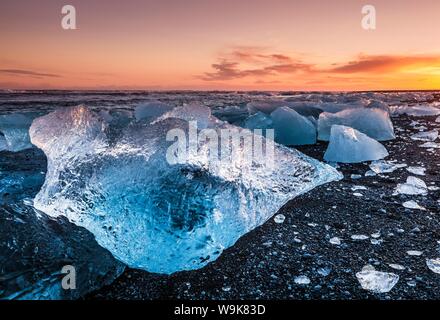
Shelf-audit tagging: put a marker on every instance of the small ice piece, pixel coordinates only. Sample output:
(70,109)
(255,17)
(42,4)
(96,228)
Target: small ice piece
(396,266)
(291,128)
(15,130)
(412,205)
(370,173)
(151,110)
(417,110)
(376,281)
(414,253)
(375,235)
(348,145)
(425,136)
(325,271)
(279,218)
(375,123)
(355,176)
(416,170)
(430,145)
(3,143)
(359,237)
(438,119)
(258,120)
(382,166)
(413,186)
(433,264)
(302,280)
(355,188)
(357,194)
(335,240)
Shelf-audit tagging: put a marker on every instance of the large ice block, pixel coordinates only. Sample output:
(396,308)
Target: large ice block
(154,214)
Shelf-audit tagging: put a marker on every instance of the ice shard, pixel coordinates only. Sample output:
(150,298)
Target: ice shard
(374,122)
(348,145)
(151,213)
(14,128)
(291,128)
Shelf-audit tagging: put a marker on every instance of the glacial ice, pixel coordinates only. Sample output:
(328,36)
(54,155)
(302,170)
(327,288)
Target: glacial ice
(438,119)
(192,112)
(154,215)
(374,122)
(416,110)
(302,280)
(433,265)
(411,204)
(432,145)
(151,110)
(413,186)
(420,171)
(376,281)
(291,128)
(382,166)
(348,145)
(379,105)
(414,253)
(425,136)
(14,128)
(258,120)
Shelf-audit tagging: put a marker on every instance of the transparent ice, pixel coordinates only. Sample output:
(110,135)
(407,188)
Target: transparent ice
(14,129)
(348,145)
(373,122)
(154,215)
(291,128)
(376,281)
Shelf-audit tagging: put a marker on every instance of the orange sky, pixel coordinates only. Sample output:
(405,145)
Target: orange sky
(232,45)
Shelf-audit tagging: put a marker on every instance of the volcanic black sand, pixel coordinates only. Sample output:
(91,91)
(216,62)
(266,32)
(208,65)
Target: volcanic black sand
(264,262)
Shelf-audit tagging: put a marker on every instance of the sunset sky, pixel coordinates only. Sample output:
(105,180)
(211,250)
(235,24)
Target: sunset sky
(224,45)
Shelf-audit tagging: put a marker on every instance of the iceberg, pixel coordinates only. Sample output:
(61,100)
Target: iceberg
(151,110)
(154,214)
(348,145)
(14,128)
(374,122)
(291,128)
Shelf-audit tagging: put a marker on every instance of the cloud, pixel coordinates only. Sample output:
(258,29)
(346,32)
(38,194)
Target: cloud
(251,62)
(28,73)
(379,64)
